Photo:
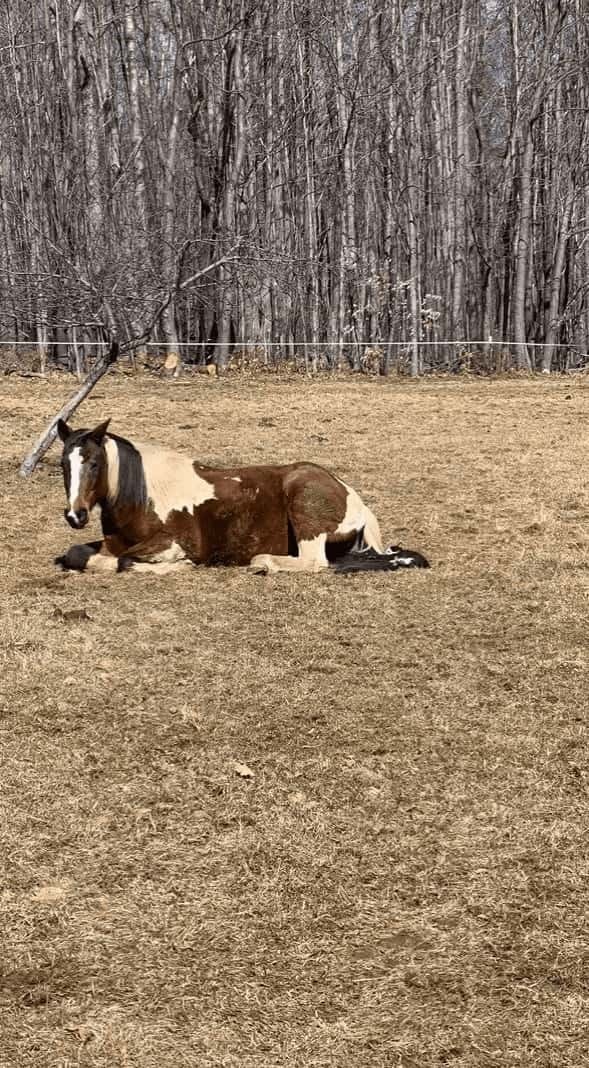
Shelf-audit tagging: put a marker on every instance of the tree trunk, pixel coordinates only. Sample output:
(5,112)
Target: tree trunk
(556,283)
(48,436)
(461,176)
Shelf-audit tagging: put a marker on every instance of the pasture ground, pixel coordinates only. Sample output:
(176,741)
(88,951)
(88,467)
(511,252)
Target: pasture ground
(404,879)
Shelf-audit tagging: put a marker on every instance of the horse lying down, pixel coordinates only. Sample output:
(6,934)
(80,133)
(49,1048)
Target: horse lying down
(160,510)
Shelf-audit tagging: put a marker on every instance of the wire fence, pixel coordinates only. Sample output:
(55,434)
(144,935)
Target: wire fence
(370,357)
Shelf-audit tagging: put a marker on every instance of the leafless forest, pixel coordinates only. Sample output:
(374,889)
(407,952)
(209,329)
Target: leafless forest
(346,172)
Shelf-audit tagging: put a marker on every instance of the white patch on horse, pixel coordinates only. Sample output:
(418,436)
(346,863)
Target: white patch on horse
(112,467)
(313,550)
(102,562)
(403,561)
(354,515)
(358,517)
(158,569)
(233,478)
(76,464)
(311,558)
(169,556)
(172,482)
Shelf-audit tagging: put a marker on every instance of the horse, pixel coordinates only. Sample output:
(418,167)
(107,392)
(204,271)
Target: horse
(161,510)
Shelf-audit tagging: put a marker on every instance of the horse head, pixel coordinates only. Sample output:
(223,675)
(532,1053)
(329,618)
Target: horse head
(84,466)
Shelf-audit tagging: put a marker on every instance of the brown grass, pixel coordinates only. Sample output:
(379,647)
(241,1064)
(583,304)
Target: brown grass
(404,880)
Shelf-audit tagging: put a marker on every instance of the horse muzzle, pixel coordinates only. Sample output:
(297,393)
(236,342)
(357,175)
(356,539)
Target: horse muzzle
(77,518)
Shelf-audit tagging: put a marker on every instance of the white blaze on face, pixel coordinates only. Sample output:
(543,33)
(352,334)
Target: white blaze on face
(76,463)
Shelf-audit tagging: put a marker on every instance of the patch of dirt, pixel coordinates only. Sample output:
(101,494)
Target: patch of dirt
(303,820)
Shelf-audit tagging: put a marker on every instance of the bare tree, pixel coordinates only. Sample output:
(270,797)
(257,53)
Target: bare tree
(389,172)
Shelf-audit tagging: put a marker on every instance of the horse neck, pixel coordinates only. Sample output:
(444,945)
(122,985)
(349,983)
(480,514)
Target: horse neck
(126,484)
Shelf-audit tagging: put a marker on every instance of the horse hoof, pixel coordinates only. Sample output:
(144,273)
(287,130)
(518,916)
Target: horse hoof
(75,558)
(125,564)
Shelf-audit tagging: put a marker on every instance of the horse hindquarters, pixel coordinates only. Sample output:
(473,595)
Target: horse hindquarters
(325,515)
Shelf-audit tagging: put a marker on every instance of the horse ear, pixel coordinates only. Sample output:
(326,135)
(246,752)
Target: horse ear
(99,431)
(63,430)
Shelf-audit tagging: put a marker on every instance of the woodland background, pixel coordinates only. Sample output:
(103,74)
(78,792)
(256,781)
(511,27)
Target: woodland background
(340,173)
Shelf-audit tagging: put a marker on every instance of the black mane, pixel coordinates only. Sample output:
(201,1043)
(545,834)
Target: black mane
(132,488)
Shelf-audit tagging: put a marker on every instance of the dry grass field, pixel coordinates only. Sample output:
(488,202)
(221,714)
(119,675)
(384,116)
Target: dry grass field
(403,880)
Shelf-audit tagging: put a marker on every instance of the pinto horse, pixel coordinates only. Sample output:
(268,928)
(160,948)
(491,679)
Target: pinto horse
(161,510)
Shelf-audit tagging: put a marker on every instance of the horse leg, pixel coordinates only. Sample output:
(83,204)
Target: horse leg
(311,505)
(159,555)
(157,568)
(93,556)
(310,560)
(78,557)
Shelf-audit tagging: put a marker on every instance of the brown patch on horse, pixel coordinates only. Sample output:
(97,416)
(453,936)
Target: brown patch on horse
(247,515)
(316,501)
(128,524)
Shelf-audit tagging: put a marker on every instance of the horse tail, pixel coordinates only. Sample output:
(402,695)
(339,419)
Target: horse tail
(371,535)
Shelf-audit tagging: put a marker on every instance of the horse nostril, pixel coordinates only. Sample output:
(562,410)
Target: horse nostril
(78,518)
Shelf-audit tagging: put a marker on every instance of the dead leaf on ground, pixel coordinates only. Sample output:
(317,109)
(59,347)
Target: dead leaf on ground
(50,894)
(242,770)
(71,615)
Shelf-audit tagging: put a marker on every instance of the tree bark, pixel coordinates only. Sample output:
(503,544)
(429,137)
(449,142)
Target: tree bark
(556,283)
(461,176)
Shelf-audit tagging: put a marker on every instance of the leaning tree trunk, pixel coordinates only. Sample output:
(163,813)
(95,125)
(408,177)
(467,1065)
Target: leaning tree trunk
(49,434)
